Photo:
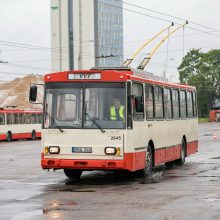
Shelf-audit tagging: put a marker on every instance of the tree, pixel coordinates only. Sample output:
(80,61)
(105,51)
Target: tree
(203,71)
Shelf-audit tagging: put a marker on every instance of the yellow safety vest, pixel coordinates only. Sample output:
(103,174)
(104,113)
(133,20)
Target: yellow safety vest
(113,113)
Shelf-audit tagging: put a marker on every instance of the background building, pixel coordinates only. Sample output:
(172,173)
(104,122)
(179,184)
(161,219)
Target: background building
(86,33)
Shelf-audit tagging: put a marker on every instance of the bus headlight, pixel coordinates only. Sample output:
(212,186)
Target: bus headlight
(54,150)
(110,150)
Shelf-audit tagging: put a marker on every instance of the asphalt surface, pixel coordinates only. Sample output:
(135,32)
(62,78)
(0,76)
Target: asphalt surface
(188,192)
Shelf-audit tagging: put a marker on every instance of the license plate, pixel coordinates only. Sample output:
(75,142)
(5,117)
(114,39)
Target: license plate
(81,149)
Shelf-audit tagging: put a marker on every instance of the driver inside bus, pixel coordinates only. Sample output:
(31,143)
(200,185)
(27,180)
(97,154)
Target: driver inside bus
(117,111)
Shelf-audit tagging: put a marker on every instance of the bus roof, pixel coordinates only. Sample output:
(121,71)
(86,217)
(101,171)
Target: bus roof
(121,74)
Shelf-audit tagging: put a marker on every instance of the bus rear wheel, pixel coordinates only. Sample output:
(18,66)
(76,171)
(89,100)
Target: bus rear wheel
(149,163)
(9,137)
(181,161)
(73,174)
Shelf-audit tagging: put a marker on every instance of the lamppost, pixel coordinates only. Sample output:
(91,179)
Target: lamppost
(165,67)
(171,78)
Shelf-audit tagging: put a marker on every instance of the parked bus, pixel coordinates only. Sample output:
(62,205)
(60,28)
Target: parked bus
(115,119)
(18,124)
(214,115)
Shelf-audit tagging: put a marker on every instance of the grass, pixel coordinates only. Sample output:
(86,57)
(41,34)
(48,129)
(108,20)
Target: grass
(203,120)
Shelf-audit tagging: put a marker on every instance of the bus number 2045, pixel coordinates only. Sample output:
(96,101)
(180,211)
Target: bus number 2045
(114,138)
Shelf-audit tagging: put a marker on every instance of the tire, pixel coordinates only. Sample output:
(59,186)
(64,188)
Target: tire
(73,174)
(33,135)
(181,161)
(9,137)
(149,163)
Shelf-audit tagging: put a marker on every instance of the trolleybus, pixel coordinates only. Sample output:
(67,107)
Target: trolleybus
(115,119)
(19,124)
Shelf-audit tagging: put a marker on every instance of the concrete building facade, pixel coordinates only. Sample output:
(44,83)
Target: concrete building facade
(86,34)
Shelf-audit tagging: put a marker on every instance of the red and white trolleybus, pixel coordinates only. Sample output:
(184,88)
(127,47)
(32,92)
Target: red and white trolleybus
(158,126)
(18,124)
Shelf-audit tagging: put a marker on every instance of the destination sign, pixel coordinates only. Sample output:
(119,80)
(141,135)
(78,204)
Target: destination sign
(84,76)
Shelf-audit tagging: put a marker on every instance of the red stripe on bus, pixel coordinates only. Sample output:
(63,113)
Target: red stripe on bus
(38,134)
(192,147)
(25,135)
(164,155)
(20,111)
(21,135)
(2,137)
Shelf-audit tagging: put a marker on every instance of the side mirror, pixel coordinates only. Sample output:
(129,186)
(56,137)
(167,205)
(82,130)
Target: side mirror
(139,104)
(33,93)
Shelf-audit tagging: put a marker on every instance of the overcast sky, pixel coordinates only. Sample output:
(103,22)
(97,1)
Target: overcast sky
(28,22)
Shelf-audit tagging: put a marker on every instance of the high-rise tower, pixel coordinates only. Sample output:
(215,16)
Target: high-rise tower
(86,33)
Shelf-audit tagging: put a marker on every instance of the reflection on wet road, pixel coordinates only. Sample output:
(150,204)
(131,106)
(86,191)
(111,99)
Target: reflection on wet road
(188,192)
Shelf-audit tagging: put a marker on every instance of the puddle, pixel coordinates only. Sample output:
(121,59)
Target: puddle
(207,134)
(211,199)
(59,205)
(76,190)
(216,157)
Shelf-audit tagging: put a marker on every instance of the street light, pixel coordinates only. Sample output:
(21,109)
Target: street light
(171,78)
(165,67)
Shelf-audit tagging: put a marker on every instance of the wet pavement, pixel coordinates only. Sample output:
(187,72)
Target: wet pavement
(188,192)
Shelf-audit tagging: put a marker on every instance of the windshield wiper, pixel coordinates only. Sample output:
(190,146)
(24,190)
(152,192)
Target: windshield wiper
(95,122)
(53,122)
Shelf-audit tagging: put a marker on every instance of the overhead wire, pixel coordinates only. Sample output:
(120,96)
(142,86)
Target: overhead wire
(32,47)
(168,15)
(158,18)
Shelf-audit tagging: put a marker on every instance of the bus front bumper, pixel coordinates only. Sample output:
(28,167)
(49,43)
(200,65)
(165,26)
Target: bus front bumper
(131,162)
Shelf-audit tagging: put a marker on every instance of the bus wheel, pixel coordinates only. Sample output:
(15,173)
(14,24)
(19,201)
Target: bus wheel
(33,135)
(74,174)
(149,163)
(181,161)
(9,137)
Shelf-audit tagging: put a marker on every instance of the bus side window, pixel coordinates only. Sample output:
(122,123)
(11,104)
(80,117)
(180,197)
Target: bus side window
(2,119)
(28,119)
(167,103)
(158,98)
(137,90)
(194,105)
(190,104)
(39,118)
(175,100)
(22,118)
(16,118)
(9,118)
(33,118)
(183,107)
(149,101)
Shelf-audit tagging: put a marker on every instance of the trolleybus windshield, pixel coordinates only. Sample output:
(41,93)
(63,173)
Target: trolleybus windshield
(85,105)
